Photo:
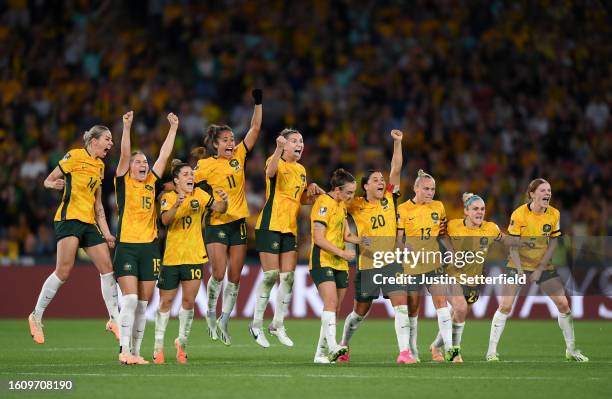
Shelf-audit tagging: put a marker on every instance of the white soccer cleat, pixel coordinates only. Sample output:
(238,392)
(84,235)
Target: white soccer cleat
(223,333)
(281,334)
(211,323)
(321,360)
(575,356)
(259,336)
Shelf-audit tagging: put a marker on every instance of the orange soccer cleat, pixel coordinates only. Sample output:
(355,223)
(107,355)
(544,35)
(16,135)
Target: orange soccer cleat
(436,354)
(36,329)
(127,358)
(158,357)
(112,327)
(139,360)
(181,355)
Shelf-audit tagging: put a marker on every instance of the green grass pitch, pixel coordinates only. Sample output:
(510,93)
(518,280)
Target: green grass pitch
(532,366)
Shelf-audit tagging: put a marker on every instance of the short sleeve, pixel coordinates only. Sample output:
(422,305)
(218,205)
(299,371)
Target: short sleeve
(200,172)
(516,223)
(205,198)
(165,203)
(241,152)
(66,164)
(320,213)
(496,232)
(557,226)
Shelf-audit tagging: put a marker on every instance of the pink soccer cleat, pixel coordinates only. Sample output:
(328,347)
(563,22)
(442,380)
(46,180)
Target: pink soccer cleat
(405,357)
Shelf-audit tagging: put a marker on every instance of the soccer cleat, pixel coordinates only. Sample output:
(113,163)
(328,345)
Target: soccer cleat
(345,358)
(36,329)
(492,357)
(450,354)
(405,357)
(181,355)
(321,360)
(223,333)
(212,328)
(457,358)
(436,354)
(335,354)
(140,360)
(112,327)
(158,357)
(259,336)
(281,334)
(127,358)
(576,356)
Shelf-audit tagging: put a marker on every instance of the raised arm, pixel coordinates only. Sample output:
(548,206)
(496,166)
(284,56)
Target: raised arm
(323,243)
(272,166)
(100,217)
(396,160)
(253,133)
(126,145)
(166,149)
(55,180)
(168,216)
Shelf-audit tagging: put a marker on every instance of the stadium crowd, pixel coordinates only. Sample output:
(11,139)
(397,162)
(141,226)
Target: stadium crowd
(489,96)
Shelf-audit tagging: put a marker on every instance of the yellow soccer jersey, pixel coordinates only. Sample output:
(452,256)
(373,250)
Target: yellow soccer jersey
(184,242)
(534,230)
(227,175)
(471,240)
(332,214)
(283,194)
(83,175)
(136,208)
(421,224)
(378,221)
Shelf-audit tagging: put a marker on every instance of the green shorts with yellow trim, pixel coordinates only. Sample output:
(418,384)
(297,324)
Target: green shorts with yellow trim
(89,234)
(471,293)
(321,274)
(274,242)
(142,260)
(546,274)
(230,234)
(171,276)
(370,283)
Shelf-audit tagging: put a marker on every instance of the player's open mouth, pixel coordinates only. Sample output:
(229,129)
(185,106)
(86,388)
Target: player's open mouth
(298,151)
(545,199)
(190,184)
(229,151)
(142,172)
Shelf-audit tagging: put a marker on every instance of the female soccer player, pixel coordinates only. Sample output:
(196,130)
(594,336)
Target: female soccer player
(182,211)
(329,258)
(374,215)
(276,232)
(80,222)
(226,234)
(470,235)
(534,230)
(422,221)
(137,259)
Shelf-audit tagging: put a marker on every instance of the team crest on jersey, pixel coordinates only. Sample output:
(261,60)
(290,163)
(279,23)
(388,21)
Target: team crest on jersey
(385,203)
(322,211)
(435,217)
(127,267)
(547,228)
(235,164)
(303,177)
(195,204)
(484,242)
(149,187)
(275,245)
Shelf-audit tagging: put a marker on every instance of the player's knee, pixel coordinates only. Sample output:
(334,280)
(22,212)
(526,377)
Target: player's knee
(460,310)
(164,305)
(505,308)
(218,274)
(188,303)
(562,305)
(63,273)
